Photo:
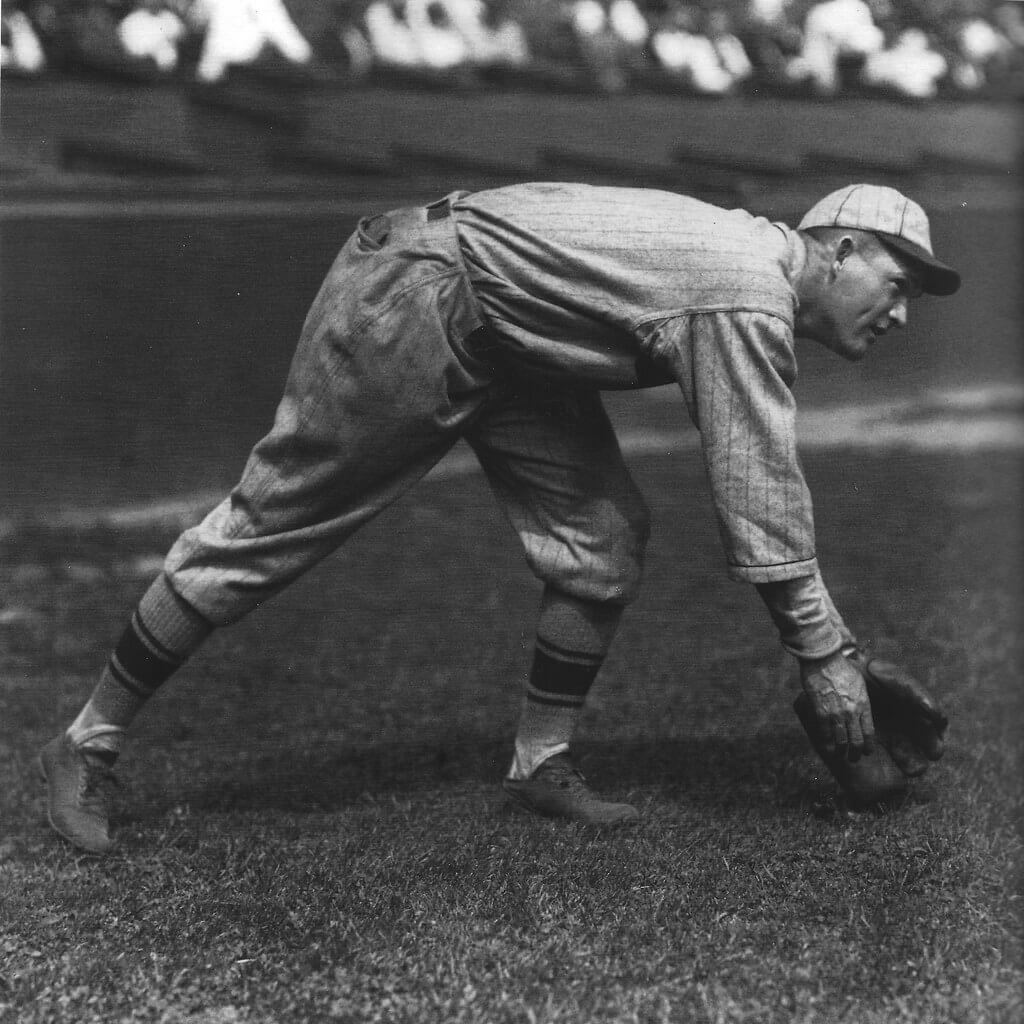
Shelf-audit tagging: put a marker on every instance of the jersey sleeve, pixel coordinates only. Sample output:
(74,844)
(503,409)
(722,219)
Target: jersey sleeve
(802,611)
(736,370)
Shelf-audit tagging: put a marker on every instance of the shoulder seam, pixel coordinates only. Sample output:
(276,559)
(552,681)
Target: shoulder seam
(678,314)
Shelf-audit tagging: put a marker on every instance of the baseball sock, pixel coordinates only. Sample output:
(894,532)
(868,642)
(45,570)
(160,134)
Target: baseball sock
(573,637)
(163,632)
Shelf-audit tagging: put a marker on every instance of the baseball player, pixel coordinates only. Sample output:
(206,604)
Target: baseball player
(498,317)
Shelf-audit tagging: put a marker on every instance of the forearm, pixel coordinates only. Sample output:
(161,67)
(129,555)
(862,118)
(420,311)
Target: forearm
(809,625)
(849,640)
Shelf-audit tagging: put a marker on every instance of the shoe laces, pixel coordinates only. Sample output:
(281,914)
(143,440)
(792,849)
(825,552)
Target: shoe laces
(564,774)
(97,781)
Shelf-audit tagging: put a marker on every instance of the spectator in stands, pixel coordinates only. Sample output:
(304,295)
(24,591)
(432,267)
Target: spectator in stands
(154,31)
(349,45)
(910,66)
(834,31)
(771,38)
(440,44)
(611,36)
(240,31)
(442,35)
(983,53)
(391,39)
(333,29)
(837,33)
(415,34)
(732,56)
(491,33)
(682,46)
(912,47)
(84,34)
(627,22)
(21,51)
(1009,19)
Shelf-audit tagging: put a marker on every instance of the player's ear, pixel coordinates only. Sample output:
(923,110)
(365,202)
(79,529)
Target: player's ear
(844,247)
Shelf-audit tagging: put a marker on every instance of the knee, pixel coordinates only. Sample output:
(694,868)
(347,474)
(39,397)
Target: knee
(600,557)
(626,546)
(221,573)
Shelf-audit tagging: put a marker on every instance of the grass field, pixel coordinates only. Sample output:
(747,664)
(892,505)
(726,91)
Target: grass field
(310,821)
(311,827)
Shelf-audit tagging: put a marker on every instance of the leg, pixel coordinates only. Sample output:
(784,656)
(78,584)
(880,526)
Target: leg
(555,465)
(572,639)
(367,410)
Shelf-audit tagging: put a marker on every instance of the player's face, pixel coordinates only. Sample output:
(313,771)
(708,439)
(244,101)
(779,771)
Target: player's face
(867,295)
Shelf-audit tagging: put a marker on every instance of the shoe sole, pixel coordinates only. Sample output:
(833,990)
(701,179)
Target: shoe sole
(516,803)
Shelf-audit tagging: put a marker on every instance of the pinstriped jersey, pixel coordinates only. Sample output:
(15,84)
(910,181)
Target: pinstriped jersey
(623,288)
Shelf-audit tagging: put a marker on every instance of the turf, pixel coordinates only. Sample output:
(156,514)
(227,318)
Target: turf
(310,826)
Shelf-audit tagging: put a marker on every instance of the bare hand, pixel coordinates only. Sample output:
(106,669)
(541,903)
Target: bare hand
(841,706)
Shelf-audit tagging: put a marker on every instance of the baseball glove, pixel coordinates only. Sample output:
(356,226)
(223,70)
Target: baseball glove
(909,731)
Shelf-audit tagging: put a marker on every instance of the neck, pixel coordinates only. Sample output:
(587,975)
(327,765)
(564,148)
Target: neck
(809,277)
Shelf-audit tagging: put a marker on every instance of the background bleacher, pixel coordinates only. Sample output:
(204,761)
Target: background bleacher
(252,134)
(588,94)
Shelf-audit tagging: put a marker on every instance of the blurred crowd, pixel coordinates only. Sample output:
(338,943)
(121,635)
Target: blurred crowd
(916,49)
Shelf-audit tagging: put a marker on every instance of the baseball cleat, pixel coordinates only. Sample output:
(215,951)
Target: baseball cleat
(556,789)
(76,805)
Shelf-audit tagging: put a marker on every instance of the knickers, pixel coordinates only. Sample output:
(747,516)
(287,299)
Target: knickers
(382,384)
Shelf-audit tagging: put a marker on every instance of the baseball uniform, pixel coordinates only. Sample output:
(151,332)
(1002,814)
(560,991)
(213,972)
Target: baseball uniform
(497,317)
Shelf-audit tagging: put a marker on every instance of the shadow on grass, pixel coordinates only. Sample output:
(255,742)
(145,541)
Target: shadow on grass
(764,769)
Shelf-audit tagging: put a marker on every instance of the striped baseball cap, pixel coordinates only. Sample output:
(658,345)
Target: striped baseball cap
(898,221)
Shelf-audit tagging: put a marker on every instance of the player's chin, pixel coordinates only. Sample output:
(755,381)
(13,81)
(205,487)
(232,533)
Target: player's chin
(858,345)
(854,349)
(850,344)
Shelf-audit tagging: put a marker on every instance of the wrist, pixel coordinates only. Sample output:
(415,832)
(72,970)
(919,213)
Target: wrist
(800,611)
(816,661)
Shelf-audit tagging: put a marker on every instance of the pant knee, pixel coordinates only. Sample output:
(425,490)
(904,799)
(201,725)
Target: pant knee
(602,561)
(223,575)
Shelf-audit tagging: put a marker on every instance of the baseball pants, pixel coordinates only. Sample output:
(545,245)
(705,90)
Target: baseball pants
(384,381)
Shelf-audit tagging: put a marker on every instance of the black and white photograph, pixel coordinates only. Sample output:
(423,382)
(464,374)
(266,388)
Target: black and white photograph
(511,511)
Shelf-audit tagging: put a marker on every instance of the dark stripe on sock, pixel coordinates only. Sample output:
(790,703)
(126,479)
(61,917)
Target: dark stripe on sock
(565,654)
(139,662)
(146,637)
(561,678)
(131,685)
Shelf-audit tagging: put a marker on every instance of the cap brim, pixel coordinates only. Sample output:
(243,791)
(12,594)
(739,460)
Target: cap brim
(936,277)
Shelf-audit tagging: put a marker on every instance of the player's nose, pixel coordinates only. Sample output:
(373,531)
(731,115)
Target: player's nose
(898,314)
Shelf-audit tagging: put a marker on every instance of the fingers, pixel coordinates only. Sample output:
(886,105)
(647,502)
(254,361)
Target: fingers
(841,706)
(855,746)
(848,736)
(836,739)
(867,729)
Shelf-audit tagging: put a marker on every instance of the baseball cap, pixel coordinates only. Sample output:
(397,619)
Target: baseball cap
(898,221)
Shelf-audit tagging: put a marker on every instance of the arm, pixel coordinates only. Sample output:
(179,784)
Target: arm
(812,630)
(736,373)
(735,370)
